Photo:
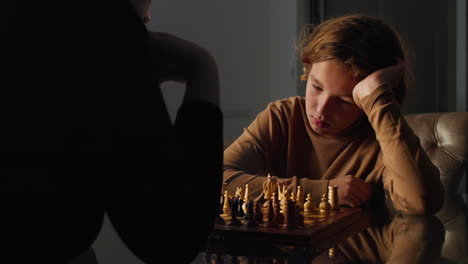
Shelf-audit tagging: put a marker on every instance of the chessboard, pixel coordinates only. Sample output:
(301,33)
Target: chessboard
(319,232)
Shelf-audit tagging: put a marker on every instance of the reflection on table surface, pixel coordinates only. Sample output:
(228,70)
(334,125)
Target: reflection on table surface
(394,239)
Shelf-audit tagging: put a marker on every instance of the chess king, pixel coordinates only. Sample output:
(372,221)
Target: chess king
(268,189)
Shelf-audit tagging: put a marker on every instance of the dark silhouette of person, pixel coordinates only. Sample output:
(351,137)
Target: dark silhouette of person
(175,164)
(85,131)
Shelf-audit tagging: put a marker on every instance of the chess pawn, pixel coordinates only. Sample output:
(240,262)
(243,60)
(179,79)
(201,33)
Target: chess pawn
(233,221)
(224,187)
(280,191)
(246,198)
(247,193)
(333,197)
(221,197)
(290,214)
(240,205)
(226,206)
(258,214)
(309,205)
(285,198)
(238,192)
(300,197)
(221,204)
(220,220)
(274,197)
(324,206)
(268,189)
(240,202)
(250,215)
(282,188)
(270,215)
(278,216)
(299,216)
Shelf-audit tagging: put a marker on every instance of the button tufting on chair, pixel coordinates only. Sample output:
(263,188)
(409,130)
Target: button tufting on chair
(444,137)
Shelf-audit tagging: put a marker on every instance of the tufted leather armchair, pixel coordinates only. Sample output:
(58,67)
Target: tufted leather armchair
(444,137)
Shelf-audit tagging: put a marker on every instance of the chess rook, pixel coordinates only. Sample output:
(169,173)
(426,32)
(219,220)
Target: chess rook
(333,197)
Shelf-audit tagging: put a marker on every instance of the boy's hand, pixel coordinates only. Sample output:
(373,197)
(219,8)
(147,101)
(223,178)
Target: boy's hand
(352,191)
(391,75)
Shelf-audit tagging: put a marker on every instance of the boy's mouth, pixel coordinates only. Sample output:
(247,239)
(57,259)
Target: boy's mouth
(319,123)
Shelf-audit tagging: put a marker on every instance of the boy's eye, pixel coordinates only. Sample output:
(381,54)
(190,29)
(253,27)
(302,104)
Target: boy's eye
(346,102)
(317,88)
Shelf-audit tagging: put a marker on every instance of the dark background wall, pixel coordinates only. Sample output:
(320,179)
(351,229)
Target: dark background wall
(436,35)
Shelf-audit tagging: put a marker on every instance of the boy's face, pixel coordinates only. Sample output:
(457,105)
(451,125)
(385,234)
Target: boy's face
(330,106)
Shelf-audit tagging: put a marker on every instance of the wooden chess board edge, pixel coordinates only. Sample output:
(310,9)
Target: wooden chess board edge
(327,240)
(312,235)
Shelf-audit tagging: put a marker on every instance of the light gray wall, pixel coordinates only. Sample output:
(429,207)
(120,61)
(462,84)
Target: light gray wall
(253,43)
(109,249)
